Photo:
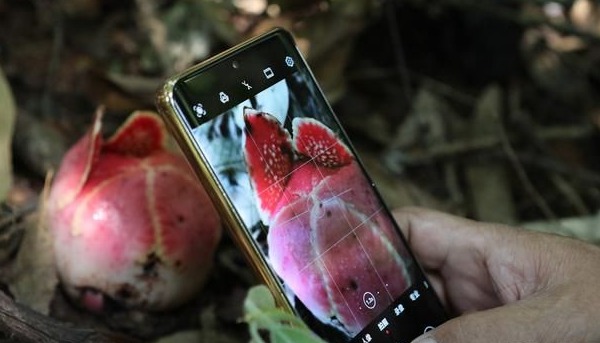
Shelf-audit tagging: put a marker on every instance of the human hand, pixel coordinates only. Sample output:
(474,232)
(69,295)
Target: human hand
(508,285)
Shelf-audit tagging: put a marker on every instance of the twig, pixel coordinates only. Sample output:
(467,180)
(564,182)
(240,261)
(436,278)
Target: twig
(473,145)
(26,325)
(551,164)
(57,45)
(12,228)
(570,194)
(16,215)
(431,83)
(157,32)
(524,178)
(514,108)
(452,179)
(398,50)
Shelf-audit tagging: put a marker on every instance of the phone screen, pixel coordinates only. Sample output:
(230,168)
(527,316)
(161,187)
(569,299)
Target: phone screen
(289,172)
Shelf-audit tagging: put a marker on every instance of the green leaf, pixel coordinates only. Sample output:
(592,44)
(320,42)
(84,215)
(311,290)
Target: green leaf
(291,334)
(262,315)
(7,121)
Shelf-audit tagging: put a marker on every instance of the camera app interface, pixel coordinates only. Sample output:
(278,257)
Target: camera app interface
(295,182)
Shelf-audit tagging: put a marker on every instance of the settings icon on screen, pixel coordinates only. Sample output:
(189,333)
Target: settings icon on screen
(289,61)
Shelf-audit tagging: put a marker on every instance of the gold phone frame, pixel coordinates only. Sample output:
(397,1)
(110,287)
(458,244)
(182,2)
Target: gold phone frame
(183,135)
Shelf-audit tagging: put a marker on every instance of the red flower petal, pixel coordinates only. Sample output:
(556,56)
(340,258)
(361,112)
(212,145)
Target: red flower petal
(316,141)
(269,156)
(77,164)
(142,134)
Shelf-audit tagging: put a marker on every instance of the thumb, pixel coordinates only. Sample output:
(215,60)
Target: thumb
(508,324)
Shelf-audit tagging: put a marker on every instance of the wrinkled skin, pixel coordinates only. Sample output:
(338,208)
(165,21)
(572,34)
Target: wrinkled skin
(130,221)
(505,284)
(326,233)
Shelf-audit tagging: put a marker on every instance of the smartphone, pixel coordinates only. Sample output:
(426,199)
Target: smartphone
(259,133)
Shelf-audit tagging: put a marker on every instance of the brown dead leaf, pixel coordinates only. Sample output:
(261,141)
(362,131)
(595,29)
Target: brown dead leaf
(426,124)
(34,274)
(101,90)
(489,182)
(142,87)
(7,115)
(177,38)
(324,31)
(398,191)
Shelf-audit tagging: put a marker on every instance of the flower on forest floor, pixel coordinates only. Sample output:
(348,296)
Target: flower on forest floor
(131,223)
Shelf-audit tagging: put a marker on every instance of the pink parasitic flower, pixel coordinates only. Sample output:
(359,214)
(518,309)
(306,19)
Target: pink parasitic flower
(131,224)
(328,238)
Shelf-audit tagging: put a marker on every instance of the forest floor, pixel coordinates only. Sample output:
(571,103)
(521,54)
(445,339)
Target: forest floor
(486,109)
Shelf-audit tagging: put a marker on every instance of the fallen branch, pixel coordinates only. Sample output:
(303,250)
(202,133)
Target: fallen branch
(524,177)
(25,325)
(453,149)
(556,166)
